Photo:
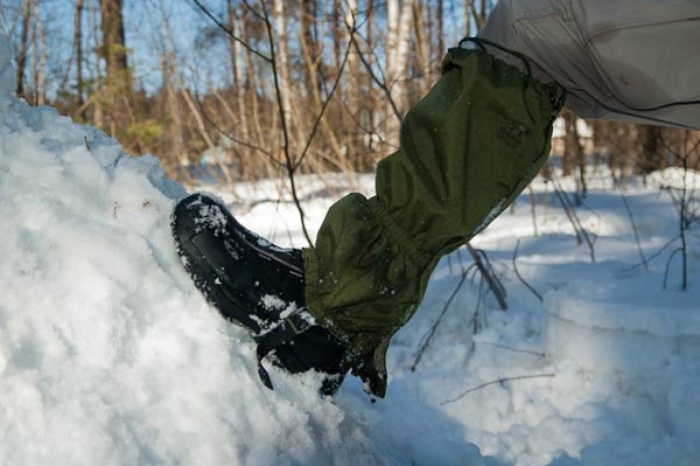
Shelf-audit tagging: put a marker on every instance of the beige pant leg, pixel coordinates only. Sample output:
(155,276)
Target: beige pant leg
(634,60)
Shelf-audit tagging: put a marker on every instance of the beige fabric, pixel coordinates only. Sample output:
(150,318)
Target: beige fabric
(635,60)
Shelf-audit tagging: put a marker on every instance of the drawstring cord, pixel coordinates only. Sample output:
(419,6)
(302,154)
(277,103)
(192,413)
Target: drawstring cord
(480,42)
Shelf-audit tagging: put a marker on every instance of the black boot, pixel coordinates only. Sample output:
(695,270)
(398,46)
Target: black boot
(256,285)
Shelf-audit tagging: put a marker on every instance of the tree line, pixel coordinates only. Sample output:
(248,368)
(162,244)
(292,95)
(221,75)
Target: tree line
(262,88)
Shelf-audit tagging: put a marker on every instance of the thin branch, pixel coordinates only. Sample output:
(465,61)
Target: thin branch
(515,350)
(570,211)
(668,264)
(515,268)
(322,112)
(372,132)
(494,382)
(655,255)
(227,135)
(253,10)
(495,286)
(228,32)
(634,226)
(533,213)
(381,83)
(433,328)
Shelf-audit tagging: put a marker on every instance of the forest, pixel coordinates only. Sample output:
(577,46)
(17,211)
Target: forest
(261,89)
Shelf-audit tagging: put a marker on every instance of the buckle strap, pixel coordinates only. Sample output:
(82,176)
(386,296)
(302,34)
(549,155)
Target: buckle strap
(289,328)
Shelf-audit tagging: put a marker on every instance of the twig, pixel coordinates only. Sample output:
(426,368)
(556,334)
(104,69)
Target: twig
(668,264)
(634,226)
(494,382)
(231,138)
(515,350)
(685,217)
(532,210)
(433,328)
(493,282)
(229,32)
(515,268)
(253,10)
(322,112)
(655,255)
(570,211)
(381,83)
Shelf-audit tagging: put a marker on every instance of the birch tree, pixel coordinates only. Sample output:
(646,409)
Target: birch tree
(78,46)
(399,23)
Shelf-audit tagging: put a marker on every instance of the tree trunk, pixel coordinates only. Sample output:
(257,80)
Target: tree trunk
(312,85)
(353,89)
(283,63)
(652,149)
(118,81)
(570,143)
(114,42)
(467,9)
(97,114)
(78,44)
(399,24)
(251,88)
(177,148)
(440,27)
(23,52)
(422,42)
(371,113)
(283,56)
(38,56)
(237,66)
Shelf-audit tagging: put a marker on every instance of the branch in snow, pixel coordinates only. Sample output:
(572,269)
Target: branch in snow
(494,382)
(515,269)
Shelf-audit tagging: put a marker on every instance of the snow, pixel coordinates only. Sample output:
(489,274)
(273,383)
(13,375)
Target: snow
(110,356)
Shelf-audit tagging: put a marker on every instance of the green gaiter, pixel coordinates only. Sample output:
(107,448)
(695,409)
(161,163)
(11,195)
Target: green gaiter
(466,151)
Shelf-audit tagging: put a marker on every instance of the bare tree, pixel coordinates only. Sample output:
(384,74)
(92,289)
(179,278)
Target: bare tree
(467,9)
(38,56)
(78,46)
(23,52)
(237,65)
(114,53)
(399,23)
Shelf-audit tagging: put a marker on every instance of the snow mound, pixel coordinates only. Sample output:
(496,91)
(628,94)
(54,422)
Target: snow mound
(108,355)
(646,343)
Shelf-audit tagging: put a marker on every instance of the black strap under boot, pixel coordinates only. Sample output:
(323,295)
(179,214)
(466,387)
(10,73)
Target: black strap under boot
(298,346)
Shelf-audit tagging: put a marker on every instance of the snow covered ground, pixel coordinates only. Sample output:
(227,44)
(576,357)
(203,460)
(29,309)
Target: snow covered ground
(109,356)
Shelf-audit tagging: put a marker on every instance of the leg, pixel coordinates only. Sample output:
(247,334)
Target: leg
(613,61)
(467,149)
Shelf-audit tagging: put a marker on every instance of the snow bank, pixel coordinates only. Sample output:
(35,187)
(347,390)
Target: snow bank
(648,346)
(108,355)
